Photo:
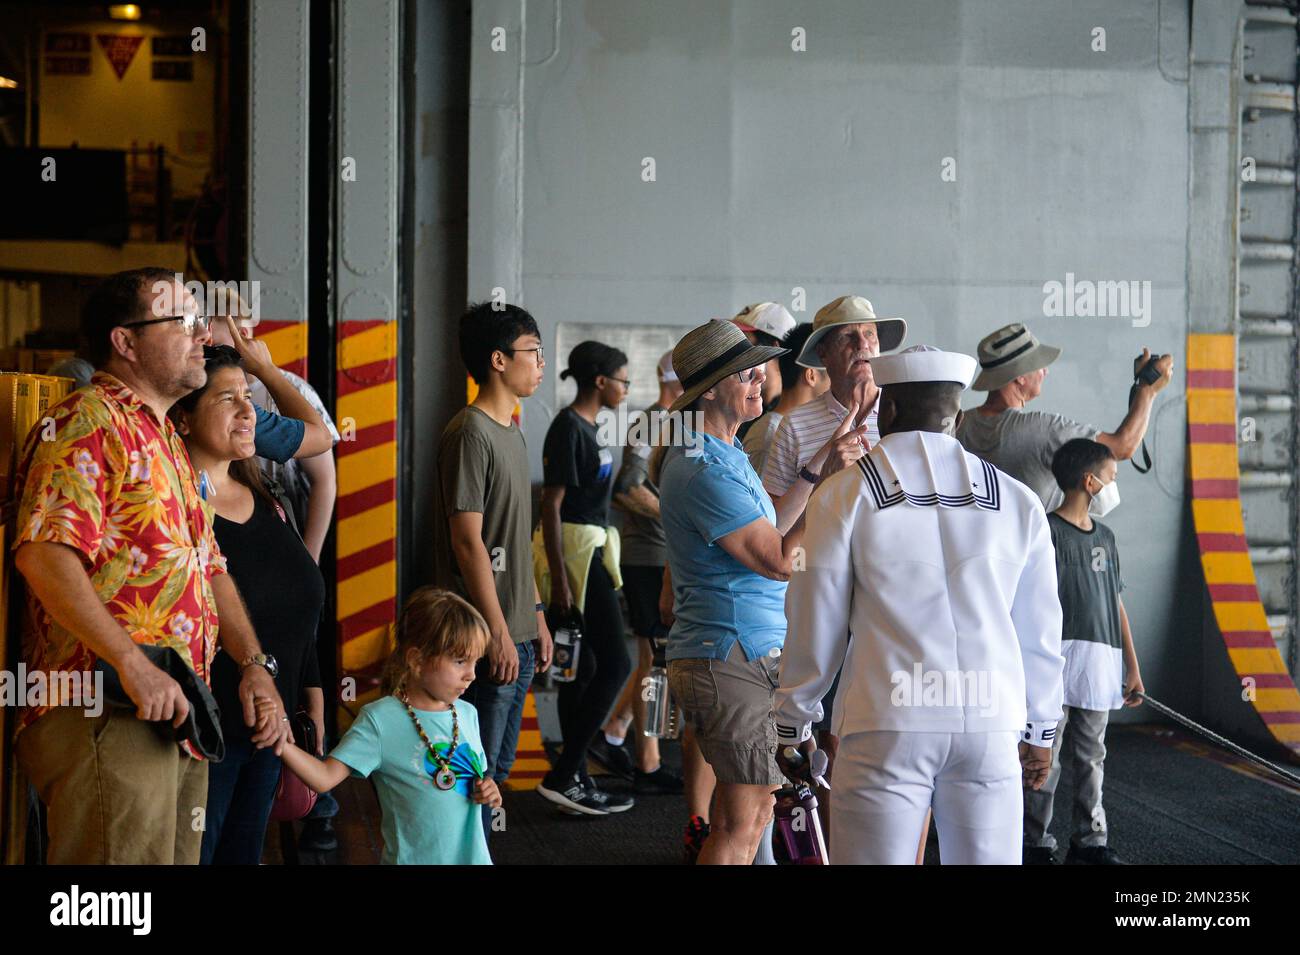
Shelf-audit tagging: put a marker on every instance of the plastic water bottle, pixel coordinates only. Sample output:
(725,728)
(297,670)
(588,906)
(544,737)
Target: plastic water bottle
(798,826)
(660,715)
(567,640)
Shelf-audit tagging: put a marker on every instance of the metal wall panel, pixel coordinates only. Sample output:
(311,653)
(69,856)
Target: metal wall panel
(366,274)
(278,119)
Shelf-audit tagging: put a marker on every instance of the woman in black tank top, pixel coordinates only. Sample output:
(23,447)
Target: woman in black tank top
(282,588)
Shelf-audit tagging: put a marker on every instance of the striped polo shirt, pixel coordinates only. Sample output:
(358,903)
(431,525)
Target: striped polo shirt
(801,435)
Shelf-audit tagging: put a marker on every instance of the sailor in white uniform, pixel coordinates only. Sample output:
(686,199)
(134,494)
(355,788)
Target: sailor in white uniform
(942,568)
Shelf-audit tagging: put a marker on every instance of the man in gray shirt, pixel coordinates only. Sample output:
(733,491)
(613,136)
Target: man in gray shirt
(1013,366)
(484,498)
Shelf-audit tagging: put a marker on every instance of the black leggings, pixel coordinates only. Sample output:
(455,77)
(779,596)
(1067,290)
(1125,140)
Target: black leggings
(603,668)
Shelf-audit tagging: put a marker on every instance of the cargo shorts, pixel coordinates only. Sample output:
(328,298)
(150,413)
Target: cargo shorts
(729,705)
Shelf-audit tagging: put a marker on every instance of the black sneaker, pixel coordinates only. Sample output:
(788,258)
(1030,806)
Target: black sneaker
(1093,855)
(1038,855)
(612,802)
(662,782)
(571,796)
(614,758)
(318,836)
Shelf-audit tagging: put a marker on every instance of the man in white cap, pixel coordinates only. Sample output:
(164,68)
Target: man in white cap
(799,385)
(943,569)
(767,324)
(1013,366)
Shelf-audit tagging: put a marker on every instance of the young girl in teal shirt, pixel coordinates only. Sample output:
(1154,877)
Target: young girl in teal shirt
(420,743)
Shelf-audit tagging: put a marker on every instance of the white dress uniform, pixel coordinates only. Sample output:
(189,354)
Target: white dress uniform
(942,569)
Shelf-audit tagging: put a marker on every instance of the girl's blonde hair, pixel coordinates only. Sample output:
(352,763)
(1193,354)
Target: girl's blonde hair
(434,623)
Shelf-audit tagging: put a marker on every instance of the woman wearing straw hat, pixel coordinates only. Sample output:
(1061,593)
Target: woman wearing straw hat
(730,562)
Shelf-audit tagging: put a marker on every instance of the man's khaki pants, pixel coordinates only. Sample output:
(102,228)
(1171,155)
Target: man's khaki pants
(117,790)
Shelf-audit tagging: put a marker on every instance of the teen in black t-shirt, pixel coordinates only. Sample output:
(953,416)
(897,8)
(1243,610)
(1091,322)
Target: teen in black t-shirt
(577,477)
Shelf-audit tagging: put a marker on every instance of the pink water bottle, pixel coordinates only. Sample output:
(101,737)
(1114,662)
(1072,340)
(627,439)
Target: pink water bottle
(796,821)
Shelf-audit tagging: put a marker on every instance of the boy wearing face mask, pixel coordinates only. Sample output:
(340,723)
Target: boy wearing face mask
(1101,667)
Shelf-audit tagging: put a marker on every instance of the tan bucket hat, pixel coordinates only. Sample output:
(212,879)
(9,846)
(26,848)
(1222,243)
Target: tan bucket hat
(707,354)
(850,310)
(1008,353)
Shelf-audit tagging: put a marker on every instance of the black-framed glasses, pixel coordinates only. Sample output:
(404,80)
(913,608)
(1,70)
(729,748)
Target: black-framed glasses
(193,323)
(625,382)
(748,374)
(540,356)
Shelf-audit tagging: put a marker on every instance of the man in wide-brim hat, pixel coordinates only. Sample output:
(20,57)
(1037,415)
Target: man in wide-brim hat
(1013,367)
(846,334)
(943,571)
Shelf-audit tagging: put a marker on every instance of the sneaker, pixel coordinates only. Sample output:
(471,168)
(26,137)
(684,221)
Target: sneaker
(614,758)
(1038,855)
(697,830)
(579,800)
(662,782)
(613,802)
(318,835)
(1093,855)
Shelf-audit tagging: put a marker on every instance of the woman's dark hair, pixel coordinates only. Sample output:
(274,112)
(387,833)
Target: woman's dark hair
(589,360)
(485,329)
(1075,458)
(246,472)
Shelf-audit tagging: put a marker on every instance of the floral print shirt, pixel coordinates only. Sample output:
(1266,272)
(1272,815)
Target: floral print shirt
(107,479)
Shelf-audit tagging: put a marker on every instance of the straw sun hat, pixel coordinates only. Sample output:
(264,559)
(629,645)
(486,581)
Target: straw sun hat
(710,353)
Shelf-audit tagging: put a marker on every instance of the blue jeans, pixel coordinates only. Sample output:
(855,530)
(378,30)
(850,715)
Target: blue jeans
(241,789)
(500,710)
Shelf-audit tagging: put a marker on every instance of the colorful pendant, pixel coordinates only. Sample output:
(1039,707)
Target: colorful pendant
(445,779)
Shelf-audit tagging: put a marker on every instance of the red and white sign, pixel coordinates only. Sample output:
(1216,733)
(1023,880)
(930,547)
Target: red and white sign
(119,49)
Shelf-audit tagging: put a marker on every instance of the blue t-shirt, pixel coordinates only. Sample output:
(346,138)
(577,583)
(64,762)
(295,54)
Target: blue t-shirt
(422,824)
(707,489)
(276,437)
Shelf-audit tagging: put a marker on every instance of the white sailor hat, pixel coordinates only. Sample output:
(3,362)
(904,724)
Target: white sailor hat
(923,363)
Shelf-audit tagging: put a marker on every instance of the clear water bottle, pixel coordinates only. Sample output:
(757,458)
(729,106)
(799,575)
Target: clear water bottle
(567,640)
(660,716)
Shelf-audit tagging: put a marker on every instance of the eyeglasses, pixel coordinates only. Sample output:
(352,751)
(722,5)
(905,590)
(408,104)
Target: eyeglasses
(193,323)
(540,356)
(749,374)
(626,383)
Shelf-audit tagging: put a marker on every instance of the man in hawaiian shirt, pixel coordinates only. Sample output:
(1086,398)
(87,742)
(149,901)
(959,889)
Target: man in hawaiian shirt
(117,550)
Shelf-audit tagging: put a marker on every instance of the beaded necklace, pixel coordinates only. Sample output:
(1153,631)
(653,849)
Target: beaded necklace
(445,777)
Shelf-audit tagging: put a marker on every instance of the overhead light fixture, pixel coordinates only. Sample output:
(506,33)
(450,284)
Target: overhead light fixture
(124,11)
(7,84)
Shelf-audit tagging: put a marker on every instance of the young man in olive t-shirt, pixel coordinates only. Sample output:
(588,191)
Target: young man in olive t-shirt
(486,499)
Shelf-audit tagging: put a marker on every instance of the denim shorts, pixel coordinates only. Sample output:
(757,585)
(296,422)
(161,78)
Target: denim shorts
(728,703)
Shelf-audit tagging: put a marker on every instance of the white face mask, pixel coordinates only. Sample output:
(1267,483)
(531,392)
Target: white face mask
(1105,500)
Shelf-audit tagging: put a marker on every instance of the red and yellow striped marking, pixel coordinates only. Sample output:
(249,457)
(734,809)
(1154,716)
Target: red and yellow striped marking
(530,759)
(1221,534)
(288,344)
(366,535)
